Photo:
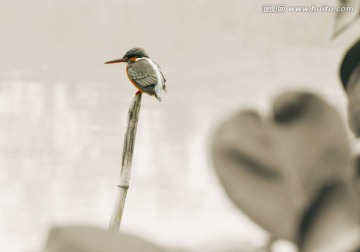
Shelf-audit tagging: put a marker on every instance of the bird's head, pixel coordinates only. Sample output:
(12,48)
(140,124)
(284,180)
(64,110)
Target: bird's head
(130,56)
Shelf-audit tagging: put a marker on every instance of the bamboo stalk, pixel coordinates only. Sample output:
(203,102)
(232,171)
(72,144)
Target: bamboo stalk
(127,155)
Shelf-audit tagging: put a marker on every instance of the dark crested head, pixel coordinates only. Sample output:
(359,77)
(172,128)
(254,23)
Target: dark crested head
(130,56)
(135,52)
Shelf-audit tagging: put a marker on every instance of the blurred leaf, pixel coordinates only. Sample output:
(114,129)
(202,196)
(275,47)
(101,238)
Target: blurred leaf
(344,20)
(91,239)
(271,168)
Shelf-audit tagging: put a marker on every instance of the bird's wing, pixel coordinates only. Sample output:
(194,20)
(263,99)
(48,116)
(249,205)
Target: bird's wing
(143,73)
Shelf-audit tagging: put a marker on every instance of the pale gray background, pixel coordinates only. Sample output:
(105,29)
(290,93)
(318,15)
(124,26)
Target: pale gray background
(63,112)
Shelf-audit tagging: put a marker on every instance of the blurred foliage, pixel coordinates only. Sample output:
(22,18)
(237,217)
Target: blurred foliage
(292,172)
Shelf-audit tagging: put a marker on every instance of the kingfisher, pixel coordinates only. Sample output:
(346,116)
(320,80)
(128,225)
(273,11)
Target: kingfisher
(143,73)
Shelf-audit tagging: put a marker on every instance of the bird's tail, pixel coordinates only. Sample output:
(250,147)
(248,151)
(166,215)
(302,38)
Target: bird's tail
(158,89)
(157,96)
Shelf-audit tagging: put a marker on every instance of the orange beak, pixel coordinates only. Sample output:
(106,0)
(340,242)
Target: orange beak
(116,61)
